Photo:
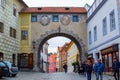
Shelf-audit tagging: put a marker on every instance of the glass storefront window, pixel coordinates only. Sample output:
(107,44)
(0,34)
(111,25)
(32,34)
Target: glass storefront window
(117,55)
(110,60)
(106,61)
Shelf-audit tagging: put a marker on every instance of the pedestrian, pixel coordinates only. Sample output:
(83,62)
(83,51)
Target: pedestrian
(99,69)
(89,68)
(65,67)
(84,64)
(116,66)
(80,69)
(56,69)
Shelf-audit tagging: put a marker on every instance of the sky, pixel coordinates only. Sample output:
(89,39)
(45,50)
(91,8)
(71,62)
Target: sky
(57,3)
(57,41)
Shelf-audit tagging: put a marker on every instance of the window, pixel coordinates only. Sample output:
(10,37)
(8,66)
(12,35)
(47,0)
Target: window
(90,38)
(97,55)
(67,8)
(34,18)
(24,34)
(1,27)
(55,18)
(95,33)
(12,32)
(104,26)
(3,3)
(112,21)
(14,10)
(75,18)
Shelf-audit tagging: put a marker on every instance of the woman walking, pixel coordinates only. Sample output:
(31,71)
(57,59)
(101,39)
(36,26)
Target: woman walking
(89,68)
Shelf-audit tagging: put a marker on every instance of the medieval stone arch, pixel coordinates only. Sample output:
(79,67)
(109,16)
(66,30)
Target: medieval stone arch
(59,32)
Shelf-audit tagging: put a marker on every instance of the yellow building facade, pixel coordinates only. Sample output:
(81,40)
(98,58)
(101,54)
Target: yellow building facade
(72,55)
(25,57)
(40,24)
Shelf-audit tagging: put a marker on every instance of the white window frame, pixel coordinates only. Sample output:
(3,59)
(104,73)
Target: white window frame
(104,23)
(95,33)
(3,3)
(90,37)
(112,21)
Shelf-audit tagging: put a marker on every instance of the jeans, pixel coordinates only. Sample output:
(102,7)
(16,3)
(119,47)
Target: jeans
(89,75)
(99,74)
(116,74)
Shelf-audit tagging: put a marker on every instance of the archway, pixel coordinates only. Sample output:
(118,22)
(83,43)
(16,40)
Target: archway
(68,34)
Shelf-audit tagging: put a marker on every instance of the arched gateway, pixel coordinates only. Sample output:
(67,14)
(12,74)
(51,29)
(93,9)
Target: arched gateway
(40,24)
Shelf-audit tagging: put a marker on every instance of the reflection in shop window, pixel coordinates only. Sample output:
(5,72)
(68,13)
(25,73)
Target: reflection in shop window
(117,53)
(106,61)
(24,35)
(110,60)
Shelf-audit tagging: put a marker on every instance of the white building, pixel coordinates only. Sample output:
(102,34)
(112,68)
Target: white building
(44,54)
(103,25)
(9,29)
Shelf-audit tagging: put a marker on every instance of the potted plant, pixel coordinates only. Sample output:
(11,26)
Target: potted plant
(75,65)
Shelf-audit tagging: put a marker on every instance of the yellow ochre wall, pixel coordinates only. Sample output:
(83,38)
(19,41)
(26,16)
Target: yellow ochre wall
(25,24)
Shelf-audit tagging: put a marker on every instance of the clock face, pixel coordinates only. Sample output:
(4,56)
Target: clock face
(65,20)
(44,20)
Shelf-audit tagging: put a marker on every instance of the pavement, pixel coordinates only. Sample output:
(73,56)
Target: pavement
(51,76)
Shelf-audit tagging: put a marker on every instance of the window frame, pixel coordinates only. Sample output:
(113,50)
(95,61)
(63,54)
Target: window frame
(23,35)
(1,27)
(3,3)
(75,18)
(112,20)
(104,26)
(90,37)
(95,33)
(34,18)
(14,10)
(13,32)
(55,18)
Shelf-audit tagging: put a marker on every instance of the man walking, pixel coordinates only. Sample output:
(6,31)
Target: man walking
(65,67)
(116,66)
(99,69)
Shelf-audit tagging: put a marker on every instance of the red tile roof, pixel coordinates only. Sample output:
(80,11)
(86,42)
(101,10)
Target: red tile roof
(54,10)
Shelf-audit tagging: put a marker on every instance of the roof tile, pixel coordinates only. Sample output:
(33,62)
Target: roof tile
(54,10)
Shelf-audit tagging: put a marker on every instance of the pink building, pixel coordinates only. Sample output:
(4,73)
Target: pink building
(52,63)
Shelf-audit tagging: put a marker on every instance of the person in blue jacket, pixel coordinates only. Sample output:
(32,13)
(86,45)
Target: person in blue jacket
(116,66)
(99,69)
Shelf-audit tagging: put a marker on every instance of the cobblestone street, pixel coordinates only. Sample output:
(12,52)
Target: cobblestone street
(51,76)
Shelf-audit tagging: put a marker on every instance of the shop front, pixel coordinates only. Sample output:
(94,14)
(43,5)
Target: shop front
(25,61)
(108,54)
(90,57)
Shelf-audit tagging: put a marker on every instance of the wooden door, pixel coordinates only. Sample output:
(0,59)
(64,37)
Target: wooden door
(30,61)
